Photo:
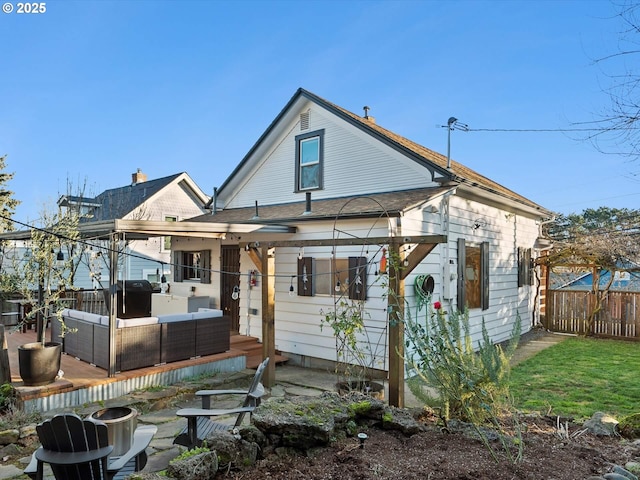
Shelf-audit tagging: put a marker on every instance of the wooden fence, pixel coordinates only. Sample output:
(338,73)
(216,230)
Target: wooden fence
(568,311)
(91,301)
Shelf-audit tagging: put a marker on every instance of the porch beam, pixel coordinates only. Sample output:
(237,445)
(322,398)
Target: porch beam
(255,257)
(330,242)
(268,318)
(414,258)
(113,302)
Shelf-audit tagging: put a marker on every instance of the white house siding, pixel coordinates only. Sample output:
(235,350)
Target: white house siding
(505,232)
(298,318)
(354,164)
(212,290)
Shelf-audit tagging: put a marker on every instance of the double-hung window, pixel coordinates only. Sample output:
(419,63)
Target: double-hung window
(309,160)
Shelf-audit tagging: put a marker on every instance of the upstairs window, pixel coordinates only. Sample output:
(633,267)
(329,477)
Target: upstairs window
(309,160)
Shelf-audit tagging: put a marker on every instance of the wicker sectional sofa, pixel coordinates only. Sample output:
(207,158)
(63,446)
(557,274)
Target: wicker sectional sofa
(143,342)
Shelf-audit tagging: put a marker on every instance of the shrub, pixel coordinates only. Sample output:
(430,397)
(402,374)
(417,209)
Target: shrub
(470,385)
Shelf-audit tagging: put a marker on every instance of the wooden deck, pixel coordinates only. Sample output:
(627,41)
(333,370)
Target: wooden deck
(83,382)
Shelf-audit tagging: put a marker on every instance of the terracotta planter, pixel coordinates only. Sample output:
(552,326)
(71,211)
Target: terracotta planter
(373,389)
(39,365)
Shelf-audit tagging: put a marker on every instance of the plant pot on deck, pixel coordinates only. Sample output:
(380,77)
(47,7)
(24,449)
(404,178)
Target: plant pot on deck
(373,389)
(39,364)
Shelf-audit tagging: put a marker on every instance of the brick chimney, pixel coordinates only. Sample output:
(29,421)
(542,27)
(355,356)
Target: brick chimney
(138,177)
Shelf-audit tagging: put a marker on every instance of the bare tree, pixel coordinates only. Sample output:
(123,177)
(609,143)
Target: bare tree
(616,128)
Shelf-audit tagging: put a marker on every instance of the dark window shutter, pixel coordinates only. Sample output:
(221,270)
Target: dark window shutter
(462,260)
(305,277)
(358,278)
(177,266)
(205,264)
(521,272)
(525,267)
(484,273)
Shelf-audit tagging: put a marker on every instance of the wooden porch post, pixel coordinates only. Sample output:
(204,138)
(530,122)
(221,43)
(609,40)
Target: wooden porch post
(113,302)
(396,329)
(268,318)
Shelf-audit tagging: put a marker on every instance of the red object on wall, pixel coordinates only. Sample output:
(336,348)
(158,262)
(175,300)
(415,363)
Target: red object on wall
(383,261)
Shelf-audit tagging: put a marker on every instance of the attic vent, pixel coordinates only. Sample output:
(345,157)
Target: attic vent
(304,121)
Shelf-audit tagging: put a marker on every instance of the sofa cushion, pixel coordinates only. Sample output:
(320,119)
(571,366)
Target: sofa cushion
(207,314)
(213,312)
(86,316)
(134,322)
(175,317)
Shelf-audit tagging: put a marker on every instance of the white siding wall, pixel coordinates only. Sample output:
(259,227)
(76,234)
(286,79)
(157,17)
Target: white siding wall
(354,164)
(505,232)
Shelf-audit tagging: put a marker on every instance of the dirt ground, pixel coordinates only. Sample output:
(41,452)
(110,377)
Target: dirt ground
(437,455)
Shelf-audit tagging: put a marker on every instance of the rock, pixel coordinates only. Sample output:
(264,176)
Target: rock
(305,423)
(601,424)
(28,430)
(624,472)
(9,450)
(232,451)
(629,426)
(146,476)
(633,467)
(614,476)
(9,436)
(402,420)
(203,465)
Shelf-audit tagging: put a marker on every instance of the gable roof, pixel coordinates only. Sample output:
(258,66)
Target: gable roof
(116,203)
(435,162)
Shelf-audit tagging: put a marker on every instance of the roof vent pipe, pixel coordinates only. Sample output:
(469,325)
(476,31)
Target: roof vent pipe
(307,208)
(214,201)
(256,215)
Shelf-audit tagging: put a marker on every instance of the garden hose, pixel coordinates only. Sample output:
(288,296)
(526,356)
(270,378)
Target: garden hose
(423,287)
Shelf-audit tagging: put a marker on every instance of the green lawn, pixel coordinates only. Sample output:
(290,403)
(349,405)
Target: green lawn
(578,377)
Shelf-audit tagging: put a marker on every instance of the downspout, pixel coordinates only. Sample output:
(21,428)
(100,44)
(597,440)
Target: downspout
(537,302)
(445,225)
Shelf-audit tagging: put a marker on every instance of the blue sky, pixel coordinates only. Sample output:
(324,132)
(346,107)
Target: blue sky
(92,90)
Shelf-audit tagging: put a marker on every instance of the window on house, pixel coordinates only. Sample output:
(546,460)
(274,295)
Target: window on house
(309,160)
(166,241)
(525,267)
(331,276)
(473,275)
(192,266)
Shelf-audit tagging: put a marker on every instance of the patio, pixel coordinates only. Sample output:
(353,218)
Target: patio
(84,383)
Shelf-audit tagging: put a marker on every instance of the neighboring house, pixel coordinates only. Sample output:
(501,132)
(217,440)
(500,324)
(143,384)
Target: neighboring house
(172,199)
(328,191)
(628,281)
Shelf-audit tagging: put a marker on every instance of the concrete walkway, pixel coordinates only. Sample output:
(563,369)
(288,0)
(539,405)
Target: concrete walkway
(290,381)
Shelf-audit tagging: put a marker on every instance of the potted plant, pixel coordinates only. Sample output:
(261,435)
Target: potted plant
(43,278)
(359,351)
